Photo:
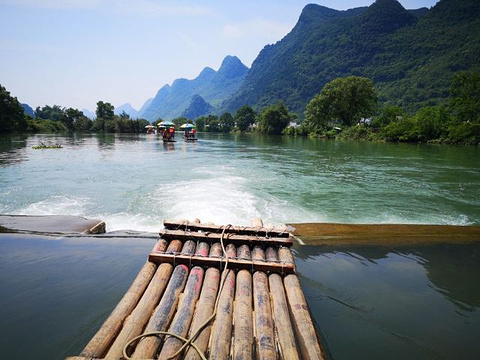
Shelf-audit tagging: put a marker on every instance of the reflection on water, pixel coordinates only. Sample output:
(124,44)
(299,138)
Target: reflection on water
(419,302)
(407,303)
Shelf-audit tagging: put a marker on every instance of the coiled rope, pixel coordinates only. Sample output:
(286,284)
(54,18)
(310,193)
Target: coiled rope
(189,342)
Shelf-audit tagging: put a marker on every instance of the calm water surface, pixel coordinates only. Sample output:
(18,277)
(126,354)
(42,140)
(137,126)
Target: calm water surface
(419,302)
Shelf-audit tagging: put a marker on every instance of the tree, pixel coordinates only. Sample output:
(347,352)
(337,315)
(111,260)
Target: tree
(387,115)
(105,110)
(343,100)
(465,97)
(226,122)
(70,117)
(12,118)
(432,122)
(54,113)
(274,119)
(244,117)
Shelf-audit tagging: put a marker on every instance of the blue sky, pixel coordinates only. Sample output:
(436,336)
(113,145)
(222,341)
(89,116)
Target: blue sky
(76,52)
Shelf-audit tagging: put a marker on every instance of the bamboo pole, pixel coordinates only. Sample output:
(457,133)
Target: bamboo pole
(137,320)
(281,315)
(264,332)
(236,264)
(222,327)
(183,317)
(101,341)
(243,328)
(231,238)
(205,304)
(308,341)
(147,347)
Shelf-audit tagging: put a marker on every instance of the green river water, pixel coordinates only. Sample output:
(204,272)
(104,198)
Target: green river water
(375,302)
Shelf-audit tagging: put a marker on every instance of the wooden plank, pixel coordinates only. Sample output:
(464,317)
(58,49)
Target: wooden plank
(205,305)
(384,234)
(183,317)
(241,230)
(305,330)
(281,316)
(243,322)
(256,265)
(163,314)
(101,341)
(222,328)
(137,320)
(228,238)
(264,331)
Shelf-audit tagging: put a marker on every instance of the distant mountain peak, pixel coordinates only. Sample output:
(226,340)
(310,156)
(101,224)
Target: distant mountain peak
(386,16)
(198,107)
(232,67)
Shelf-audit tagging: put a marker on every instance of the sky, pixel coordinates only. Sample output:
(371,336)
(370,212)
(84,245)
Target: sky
(74,53)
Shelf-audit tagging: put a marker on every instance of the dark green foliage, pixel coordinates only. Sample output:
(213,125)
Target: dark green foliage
(274,119)
(464,133)
(105,110)
(45,126)
(180,121)
(244,117)
(465,97)
(387,115)
(83,124)
(226,122)
(432,123)
(344,101)
(54,113)
(12,118)
(411,59)
(208,123)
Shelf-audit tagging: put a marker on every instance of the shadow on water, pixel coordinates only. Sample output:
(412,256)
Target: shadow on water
(378,302)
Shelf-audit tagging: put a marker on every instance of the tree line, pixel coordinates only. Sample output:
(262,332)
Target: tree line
(57,119)
(345,108)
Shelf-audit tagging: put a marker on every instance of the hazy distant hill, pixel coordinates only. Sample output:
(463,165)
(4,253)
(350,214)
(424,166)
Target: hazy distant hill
(128,108)
(198,107)
(27,110)
(411,55)
(90,114)
(213,86)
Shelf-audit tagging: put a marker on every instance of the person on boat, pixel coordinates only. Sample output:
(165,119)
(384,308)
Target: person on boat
(193,133)
(172,133)
(166,134)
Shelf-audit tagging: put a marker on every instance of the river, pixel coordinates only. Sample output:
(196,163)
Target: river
(373,302)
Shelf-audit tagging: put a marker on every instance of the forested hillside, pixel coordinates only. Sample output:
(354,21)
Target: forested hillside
(411,55)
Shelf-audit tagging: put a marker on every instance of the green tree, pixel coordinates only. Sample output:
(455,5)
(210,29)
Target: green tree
(344,100)
(226,122)
(70,116)
(244,117)
(105,110)
(12,118)
(274,119)
(54,113)
(387,115)
(82,123)
(432,122)
(465,97)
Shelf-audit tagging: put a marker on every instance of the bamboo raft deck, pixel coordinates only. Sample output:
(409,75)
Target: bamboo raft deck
(261,314)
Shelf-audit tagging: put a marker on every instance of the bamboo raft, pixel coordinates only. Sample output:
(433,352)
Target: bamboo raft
(261,310)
